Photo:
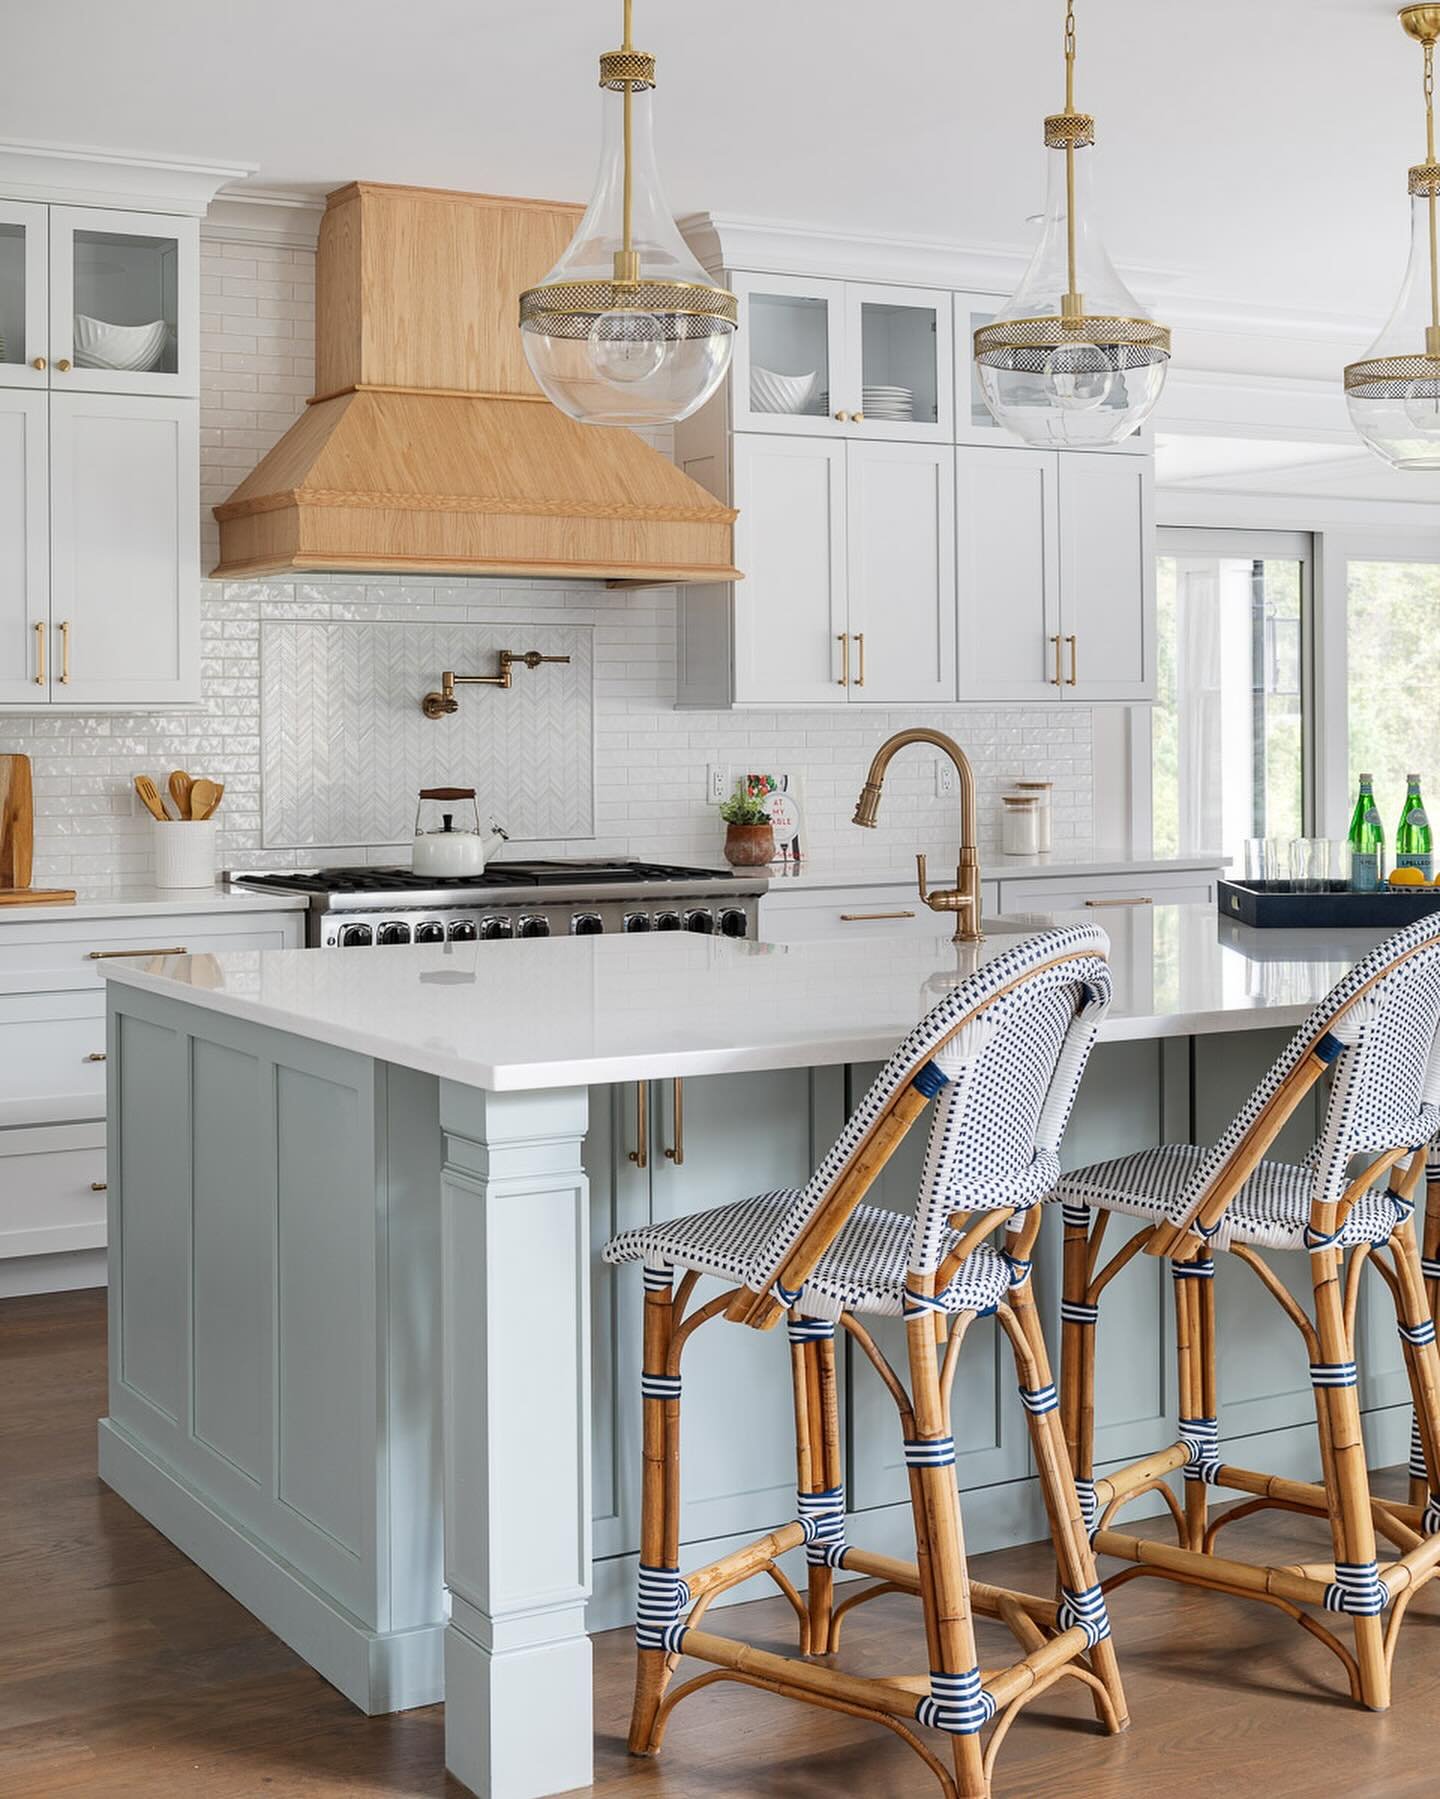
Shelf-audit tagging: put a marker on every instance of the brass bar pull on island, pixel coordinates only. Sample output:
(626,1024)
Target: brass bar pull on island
(442,701)
(1098,905)
(867,917)
(640,1155)
(676,1152)
(108,955)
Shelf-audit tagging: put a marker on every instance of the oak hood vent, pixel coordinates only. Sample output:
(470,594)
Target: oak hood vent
(428,446)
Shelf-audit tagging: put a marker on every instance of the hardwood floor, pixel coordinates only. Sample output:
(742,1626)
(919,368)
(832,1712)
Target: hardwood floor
(124,1671)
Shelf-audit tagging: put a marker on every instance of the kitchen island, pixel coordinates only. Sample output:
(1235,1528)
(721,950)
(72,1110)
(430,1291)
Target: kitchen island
(355,1205)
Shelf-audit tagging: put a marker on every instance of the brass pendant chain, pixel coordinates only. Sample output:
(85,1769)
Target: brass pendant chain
(1071,305)
(627,228)
(1432,346)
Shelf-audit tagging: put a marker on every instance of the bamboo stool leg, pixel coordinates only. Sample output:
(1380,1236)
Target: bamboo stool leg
(956,1698)
(1079,1318)
(659,1508)
(1357,1589)
(1423,1482)
(818,1471)
(1068,1527)
(1422,1366)
(1194,1356)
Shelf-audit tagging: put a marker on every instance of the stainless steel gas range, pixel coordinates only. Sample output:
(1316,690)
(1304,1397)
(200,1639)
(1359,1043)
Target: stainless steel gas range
(360,908)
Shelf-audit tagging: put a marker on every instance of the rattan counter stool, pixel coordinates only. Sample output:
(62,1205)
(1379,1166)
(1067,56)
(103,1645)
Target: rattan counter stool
(1001,1058)
(1349,1205)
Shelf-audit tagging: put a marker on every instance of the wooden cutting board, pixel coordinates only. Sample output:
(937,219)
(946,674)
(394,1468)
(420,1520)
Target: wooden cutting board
(17,839)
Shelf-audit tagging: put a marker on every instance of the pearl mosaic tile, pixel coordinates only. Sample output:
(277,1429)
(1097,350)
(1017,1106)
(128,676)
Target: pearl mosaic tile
(642,789)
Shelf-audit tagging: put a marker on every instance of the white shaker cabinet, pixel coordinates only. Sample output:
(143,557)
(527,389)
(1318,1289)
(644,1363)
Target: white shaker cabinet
(124,517)
(1056,575)
(901,558)
(24,545)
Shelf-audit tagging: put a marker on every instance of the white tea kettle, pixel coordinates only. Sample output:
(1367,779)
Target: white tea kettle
(442,851)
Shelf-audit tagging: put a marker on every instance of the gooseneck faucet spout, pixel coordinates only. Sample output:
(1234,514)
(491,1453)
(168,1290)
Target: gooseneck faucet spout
(963,899)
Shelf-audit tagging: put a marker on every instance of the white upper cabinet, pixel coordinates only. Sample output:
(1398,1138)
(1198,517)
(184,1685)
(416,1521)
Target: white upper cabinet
(1056,575)
(901,563)
(124,302)
(842,359)
(124,516)
(24,284)
(24,548)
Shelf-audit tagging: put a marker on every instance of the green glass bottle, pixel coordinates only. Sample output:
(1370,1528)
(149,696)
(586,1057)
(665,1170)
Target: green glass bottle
(1367,841)
(1413,841)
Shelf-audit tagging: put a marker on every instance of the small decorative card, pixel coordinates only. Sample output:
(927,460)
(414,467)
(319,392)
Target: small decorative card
(783,800)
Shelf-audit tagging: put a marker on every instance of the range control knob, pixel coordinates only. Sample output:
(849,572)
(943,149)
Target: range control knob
(494,930)
(586,924)
(353,934)
(394,933)
(430,930)
(669,921)
(636,921)
(462,930)
(701,920)
(734,923)
(534,927)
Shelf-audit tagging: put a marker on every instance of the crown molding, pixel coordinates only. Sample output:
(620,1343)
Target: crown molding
(81,175)
(260,215)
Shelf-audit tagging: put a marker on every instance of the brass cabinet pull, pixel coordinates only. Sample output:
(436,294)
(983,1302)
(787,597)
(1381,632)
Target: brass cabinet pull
(640,1155)
(64,652)
(843,639)
(38,363)
(99,1186)
(857,418)
(1057,679)
(107,955)
(1074,663)
(63,365)
(96,1055)
(676,1152)
(865,917)
(843,418)
(1098,904)
(39,652)
(860,645)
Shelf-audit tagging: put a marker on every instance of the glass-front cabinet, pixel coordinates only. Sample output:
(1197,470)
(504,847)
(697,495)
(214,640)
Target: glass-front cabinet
(837,358)
(98,301)
(23,284)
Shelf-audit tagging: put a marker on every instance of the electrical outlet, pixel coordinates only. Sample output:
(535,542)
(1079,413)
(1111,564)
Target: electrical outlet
(944,777)
(717,783)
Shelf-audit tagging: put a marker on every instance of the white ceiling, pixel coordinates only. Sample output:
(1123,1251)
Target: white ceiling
(1258,148)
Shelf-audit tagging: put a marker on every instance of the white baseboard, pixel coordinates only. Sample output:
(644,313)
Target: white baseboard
(61,1273)
(378,1671)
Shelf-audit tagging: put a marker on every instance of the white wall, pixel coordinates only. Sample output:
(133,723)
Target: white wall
(650,761)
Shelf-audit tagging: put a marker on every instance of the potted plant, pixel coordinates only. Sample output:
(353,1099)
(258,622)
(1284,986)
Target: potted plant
(749,838)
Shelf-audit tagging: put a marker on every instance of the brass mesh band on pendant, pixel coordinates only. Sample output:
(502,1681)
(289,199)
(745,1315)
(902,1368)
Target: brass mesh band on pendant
(1425,179)
(1394,378)
(1025,345)
(634,69)
(1073,130)
(685,309)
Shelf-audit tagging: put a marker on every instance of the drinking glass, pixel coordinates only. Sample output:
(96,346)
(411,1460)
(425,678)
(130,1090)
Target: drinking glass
(1318,863)
(1264,860)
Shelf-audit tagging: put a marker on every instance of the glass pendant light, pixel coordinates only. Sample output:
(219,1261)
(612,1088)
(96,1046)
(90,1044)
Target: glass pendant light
(1071,361)
(627,328)
(1394,392)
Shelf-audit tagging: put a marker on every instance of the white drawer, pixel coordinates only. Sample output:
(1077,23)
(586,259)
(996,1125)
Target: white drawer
(848,913)
(1100,893)
(52,1189)
(52,1056)
(71,953)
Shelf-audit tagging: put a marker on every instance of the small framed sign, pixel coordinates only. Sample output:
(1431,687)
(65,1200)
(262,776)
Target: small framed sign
(784,804)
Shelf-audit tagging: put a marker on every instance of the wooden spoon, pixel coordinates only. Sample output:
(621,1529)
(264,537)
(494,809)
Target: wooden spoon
(150,798)
(180,785)
(205,796)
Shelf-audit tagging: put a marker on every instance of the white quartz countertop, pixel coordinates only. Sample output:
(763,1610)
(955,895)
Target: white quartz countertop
(1071,859)
(579,1010)
(140,900)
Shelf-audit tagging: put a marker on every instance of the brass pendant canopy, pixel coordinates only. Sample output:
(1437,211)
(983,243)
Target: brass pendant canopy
(1393,392)
(1072,360)
(627,328)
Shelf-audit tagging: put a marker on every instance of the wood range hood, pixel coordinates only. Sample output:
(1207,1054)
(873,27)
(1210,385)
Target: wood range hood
(428,446)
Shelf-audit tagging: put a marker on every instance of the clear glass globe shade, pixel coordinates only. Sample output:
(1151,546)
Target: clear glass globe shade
(1082,394)
(605,366)
(1393,392)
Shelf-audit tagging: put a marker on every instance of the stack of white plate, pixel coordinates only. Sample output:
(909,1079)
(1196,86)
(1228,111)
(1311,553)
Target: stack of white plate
(895,403)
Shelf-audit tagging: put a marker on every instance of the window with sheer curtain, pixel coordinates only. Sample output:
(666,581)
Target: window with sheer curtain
(1392,641)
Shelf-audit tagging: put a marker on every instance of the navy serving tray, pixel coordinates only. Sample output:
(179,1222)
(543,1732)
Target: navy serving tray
(1276,904)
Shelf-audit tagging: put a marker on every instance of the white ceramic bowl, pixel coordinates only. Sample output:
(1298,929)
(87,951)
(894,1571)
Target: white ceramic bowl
(771,392)
(135,348)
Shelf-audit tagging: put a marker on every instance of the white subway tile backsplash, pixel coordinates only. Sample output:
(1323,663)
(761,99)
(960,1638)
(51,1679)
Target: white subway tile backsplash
(649,761)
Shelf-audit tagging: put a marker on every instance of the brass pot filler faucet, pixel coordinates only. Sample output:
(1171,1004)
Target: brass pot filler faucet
(963,899)
(442,702)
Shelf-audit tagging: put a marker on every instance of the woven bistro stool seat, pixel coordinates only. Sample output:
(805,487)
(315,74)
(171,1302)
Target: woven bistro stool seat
(997,1062)
(1348,1206)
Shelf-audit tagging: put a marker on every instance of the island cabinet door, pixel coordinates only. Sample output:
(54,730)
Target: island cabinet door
(713,1141)
(619,1201)
(987,1418)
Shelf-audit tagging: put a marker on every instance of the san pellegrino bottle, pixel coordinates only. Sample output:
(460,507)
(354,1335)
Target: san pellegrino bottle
(1367,840)
(1413,841)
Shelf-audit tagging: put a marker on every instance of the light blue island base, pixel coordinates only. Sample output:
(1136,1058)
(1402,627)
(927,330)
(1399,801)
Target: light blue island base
(282,1232)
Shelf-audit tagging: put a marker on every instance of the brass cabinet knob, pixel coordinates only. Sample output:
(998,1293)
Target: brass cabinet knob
(858,418)
(63,365)
(39,363)
(843,417)
(99,1187)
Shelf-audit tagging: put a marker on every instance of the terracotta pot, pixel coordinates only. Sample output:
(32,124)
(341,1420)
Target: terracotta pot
(748,846)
